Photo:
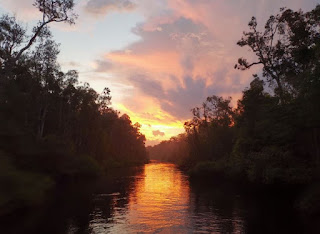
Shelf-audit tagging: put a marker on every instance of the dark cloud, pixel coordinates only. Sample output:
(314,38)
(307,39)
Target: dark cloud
(101,7)
(160,79)
(147,85)
(158,133)
(179,101)
(165,37)
(103,66)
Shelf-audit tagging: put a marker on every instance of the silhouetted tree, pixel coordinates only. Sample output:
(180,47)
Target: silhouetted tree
(261,140)
(286,49)
(52,11)
(52,126)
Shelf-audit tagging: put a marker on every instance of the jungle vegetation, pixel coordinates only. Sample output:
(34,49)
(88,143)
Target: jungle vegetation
(272,136)
(53,128)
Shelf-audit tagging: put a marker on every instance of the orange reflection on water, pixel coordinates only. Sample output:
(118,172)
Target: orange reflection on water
(160,199)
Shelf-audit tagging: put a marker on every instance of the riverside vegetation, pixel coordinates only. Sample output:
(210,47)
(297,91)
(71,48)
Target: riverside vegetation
(52,127)
(272,137)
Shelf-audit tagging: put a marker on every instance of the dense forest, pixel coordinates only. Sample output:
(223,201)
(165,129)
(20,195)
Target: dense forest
(53,128)
(273,134)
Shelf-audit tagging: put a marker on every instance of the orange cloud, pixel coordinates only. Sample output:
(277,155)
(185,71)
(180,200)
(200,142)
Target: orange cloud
(187,52)
(164,62)
(171,78)
(24,10)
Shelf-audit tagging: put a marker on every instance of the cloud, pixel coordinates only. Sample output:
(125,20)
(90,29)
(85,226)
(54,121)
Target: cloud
(179,101)
(24,10)
(147,85)
(71,64)
(102,7)
(158,133)
(103,65)
(186,52)
(176,68)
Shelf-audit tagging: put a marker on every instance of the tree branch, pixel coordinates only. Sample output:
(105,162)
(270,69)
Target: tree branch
(31,40)
(252,64)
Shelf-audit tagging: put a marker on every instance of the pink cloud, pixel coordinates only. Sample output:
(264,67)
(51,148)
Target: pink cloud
(102,7)
(186,52)
(23,9)
(177,67)
(189,47)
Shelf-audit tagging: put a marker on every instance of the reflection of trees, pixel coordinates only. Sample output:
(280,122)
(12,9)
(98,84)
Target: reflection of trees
(122,204)
(69,208)
(214,209)
(79,208)
(272,212)
(225,208)
(113,197)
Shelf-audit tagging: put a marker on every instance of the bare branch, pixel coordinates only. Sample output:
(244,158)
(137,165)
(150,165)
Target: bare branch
(52,11)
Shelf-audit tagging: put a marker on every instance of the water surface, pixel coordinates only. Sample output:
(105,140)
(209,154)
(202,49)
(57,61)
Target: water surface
(158,198)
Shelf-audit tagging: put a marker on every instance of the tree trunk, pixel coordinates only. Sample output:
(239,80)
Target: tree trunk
(31,41)
(42,120)
(280,90)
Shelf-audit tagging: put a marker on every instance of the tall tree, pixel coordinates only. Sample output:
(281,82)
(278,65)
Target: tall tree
(285,49)
(52,11)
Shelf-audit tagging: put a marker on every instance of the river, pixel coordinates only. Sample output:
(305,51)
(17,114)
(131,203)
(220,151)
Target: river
(158,198)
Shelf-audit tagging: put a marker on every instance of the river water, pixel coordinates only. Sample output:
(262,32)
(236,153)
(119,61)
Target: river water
(158,198)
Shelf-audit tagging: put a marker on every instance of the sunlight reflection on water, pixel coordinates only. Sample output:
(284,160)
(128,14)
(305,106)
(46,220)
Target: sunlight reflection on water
(160,200)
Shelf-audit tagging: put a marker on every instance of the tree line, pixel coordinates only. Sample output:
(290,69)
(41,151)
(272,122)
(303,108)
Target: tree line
(273,135)
(52,127)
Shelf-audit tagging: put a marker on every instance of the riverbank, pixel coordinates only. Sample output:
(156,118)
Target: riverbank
(303,198)
(68,199)
(29,180)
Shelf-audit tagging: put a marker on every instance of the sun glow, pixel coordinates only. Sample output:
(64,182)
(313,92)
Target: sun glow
(161,126)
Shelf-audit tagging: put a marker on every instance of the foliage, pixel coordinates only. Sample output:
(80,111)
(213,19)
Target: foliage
(50,123)
(20,186)
(270,137)
(210,133)
(209,168)
(286,49)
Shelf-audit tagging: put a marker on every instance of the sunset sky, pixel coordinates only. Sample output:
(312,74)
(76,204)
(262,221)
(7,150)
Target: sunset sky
(160,58)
